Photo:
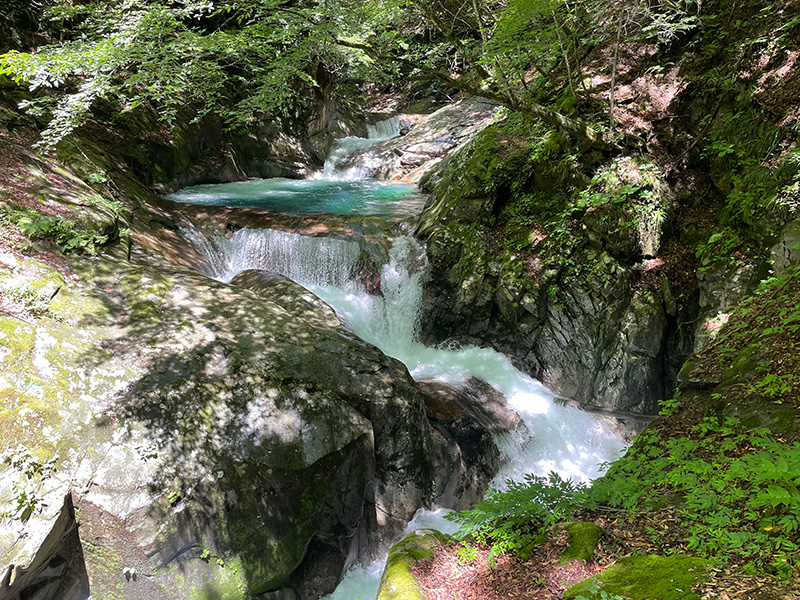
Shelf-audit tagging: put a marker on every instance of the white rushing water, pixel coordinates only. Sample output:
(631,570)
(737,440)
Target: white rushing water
(556,438)
(562,439)
(349,146)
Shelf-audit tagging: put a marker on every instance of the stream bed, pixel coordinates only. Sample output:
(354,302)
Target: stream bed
(556,438)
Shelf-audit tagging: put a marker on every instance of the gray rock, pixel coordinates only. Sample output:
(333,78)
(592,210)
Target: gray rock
(785,253)
(433,136)
(465,419)
(721,290)
(475,399)
(58,571)
(226,432)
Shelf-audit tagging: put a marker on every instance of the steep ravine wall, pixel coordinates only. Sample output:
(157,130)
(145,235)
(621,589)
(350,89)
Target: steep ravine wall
(603,306)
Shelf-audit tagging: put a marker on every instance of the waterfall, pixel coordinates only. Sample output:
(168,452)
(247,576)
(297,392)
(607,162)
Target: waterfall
(346,147)
(557,438)
(310,261)
(385,129)
(565,439)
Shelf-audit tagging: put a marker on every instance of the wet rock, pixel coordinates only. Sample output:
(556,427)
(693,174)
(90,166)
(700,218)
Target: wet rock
(289,295)
(431,137)
(475,399)
(579,318)
(224,429)
(465,459)
(594,338)
(466,418)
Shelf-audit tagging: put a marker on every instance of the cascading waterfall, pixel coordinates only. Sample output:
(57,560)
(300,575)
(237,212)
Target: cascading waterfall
(346,147)
(312,262)
(384,129)
(564,439)
(556,438)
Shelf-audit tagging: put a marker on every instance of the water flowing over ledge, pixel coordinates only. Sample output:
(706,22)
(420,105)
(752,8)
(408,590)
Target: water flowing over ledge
(558,438)
(381,303)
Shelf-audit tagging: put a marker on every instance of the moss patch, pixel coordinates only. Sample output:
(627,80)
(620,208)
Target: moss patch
(16,335)
(649,578)
(33,426)
(583,539)
(397,582)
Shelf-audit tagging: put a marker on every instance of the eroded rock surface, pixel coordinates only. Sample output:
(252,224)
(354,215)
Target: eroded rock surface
(431,138)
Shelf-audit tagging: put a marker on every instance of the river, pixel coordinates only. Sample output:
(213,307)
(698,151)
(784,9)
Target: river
(563,439)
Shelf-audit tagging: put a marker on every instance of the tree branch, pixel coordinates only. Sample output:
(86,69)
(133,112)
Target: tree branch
(575,128)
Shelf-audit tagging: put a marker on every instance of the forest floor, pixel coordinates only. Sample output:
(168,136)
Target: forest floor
(448,575)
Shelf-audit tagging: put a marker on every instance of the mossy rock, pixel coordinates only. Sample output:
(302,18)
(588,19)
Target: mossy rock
(650,577)
(583,539)
(16,335)
(397,582)
(458,186)
(33,426)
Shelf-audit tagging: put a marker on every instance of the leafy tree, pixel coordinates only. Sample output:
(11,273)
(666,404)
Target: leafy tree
(232,59)
(241,58)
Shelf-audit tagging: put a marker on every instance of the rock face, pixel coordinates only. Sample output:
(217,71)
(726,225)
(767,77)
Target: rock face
(578,318)
(422,145)
(465,419)
(786,251)
(594,286)
(474,399)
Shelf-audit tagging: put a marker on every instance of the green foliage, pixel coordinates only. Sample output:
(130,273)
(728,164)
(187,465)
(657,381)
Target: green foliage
(232,59)
(669,407)
(720,249)
(624,181)
(70,236)
(777,386)
(738,489)
(739,146)
(667,21)
(25,492)
(243,59)
(595,593)
(737,492)
(515,519)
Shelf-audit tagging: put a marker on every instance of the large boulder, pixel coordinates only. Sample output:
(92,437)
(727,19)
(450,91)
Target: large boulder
(213,437)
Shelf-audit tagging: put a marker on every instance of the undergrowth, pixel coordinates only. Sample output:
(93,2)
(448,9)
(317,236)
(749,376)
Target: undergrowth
(737,493)
(738,490)
(70,236)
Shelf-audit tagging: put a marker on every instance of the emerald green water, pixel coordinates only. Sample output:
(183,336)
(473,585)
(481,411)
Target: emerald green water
(310,195)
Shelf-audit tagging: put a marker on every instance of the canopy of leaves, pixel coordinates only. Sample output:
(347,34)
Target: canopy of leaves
(241,58)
